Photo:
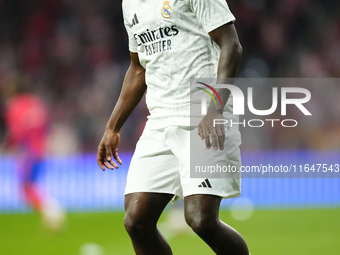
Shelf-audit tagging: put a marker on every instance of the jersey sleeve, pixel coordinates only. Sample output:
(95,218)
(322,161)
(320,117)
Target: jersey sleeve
(211,13)
(132,41)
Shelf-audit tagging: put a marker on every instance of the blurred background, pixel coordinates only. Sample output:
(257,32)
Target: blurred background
(73,54)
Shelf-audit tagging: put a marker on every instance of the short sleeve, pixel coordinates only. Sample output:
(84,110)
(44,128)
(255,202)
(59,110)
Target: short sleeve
(132,40)
(211,13)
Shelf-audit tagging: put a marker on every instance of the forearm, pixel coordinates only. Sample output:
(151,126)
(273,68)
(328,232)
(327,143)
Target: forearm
(229,61)
(230,58)
(132,92)
(228,65)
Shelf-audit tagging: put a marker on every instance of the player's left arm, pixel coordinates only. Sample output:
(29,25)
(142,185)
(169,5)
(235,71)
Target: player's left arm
(231,51)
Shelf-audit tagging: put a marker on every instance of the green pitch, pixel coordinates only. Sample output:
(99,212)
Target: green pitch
(272,232)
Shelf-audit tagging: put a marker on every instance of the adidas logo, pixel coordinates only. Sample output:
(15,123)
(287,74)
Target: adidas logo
(205,184)
(135,20)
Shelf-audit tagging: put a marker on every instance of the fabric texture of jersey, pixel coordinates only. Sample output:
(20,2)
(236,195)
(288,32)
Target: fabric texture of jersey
(161,164)
(172,41)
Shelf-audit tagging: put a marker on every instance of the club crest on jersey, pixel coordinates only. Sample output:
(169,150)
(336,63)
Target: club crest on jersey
(166,10)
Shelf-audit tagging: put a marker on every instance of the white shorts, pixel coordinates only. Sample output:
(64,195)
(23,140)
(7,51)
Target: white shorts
(161,164)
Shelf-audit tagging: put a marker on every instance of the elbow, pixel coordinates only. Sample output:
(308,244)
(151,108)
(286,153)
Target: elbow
(237,48)
(232,48)
(236,51)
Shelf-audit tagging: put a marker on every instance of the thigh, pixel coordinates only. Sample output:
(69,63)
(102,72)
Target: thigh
(145,206)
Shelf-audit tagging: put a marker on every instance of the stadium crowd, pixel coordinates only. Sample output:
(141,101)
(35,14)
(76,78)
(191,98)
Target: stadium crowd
(74,55)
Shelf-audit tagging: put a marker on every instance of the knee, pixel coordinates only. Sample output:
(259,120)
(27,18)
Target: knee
(200,223)
(135,222)
(132,223)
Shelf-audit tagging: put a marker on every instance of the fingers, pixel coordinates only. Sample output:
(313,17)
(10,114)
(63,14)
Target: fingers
(200,132)
(116,156)
(214,138)
(207,138)
(110,165)
(101,157)
(220,135)
(217,136)
(104,157)
(109,162)
(100,161)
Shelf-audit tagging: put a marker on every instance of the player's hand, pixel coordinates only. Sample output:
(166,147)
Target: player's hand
(108,150)
(206,130)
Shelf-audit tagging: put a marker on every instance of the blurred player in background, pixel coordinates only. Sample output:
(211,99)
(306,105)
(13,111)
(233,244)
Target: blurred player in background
(27,119)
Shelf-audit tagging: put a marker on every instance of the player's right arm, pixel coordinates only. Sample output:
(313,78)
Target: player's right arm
(132,92)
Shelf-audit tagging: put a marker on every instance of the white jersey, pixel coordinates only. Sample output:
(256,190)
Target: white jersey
(172,41)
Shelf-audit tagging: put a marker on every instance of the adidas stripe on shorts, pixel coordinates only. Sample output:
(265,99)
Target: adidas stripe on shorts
(161,164)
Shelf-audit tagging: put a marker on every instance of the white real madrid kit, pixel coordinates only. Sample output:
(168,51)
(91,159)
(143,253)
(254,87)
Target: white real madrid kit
(173,45)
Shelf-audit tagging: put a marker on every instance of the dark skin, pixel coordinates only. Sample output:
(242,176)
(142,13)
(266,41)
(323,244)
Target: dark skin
(230,57)
(201,211)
